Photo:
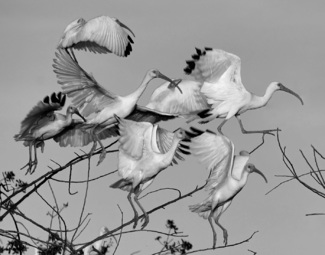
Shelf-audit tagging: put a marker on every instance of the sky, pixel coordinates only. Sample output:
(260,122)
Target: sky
(276,40)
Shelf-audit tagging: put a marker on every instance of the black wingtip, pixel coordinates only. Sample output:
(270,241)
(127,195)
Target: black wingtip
(198,51)
(208,48)
(46,100)
(194,132)
(205,113)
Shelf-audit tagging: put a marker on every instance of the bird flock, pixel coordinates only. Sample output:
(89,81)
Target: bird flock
(213,90)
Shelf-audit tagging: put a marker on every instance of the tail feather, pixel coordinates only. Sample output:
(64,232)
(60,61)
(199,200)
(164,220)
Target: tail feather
(203,209)
(122,184)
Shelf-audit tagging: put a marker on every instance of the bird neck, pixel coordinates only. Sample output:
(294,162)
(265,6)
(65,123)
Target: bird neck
(136,94)
(260,101)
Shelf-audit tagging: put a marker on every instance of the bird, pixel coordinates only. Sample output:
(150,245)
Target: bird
(43,123)
(98,35)
(144,151)
(99,105)
(228,174)
(219,71)
(186,102)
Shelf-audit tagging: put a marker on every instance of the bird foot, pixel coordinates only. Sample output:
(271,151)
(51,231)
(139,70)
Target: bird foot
(146,221)
(31,167)
(225,238)
(101,157)
(135,222)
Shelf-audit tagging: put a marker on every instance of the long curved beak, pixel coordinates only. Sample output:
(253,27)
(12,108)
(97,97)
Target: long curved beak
(172,82)
(285,89)
(124,26)
(79,114)
(260,173)
(175,84)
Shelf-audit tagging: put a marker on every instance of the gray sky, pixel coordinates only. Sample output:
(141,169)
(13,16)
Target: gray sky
(276,41)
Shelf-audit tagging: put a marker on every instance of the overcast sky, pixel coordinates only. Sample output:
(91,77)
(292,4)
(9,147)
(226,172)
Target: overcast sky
(276,41)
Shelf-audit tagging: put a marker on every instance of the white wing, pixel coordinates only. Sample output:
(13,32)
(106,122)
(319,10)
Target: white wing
(99,35)
(132,135)
(171,100)
(216,153)
(220,72)
(87,95)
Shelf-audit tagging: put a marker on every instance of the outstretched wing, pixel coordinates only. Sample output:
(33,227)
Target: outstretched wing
(216,153)
(132,136)
(99,35)
(87,95)
(41,113)
(164,140)
(220,72)
(104,34)
(78,134)
(170,100)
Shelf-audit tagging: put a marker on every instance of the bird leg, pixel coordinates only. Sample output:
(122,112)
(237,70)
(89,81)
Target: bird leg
(267,131)
(97,140)
(32,164)
(220,126)
(222,209)
(146,216)
(135,219)
(213,230)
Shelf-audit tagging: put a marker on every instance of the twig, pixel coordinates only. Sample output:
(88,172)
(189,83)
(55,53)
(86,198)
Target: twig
(119,240)
(179,192)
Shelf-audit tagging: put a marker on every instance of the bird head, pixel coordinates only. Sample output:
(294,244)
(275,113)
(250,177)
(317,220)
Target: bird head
(279,86)
(154,73)
(180,134)
(73,110)
(251,168)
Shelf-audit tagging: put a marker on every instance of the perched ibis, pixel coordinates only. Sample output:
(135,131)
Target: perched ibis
(99,35)
(99,105)
(219,71)
(43,123)
(145,150)
(228,175)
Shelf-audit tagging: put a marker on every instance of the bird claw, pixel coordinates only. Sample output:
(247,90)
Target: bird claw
(146,221)
(135,222)
(31,167)
(101,157)
(225,238)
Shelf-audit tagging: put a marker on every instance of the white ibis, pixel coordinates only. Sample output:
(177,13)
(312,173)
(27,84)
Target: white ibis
(220,73)
(99,105)
(99,35)
(145,150)
(43,123)
(228,175)
(186,102)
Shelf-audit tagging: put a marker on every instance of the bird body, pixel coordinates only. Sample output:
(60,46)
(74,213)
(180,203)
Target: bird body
(99,105)
(98,35)
(43,123)
(219,72)
(189,103)
(145,150)
(228,175)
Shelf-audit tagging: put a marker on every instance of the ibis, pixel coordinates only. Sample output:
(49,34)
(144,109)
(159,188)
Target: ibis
(99,35)
(219,71)
(228,175)
(99,105)
(145,150)
(43,123)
